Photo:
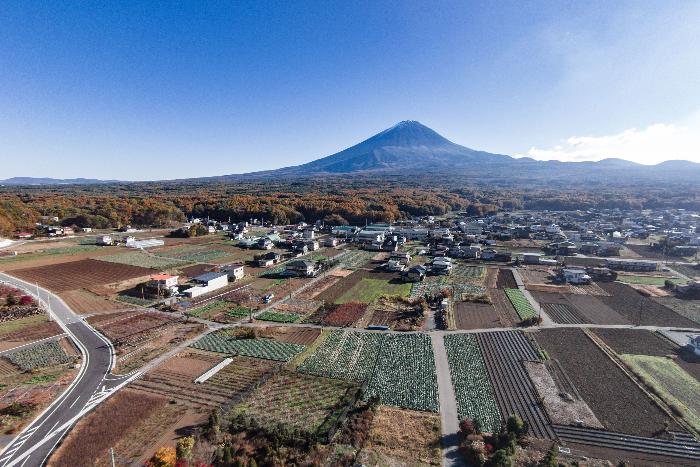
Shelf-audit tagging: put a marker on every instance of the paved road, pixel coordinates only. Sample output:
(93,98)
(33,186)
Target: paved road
(448,404)
(92,385)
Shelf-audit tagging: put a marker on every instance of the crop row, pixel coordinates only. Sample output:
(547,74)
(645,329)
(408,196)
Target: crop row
(259,348)
(521,304)
(475,396)
(40,356)
(144,260)
(345,355)
(356,258)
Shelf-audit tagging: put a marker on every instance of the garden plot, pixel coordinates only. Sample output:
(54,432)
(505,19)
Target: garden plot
(472,315)
(306,403)
(290,335)
(175,379)
(521,304)
(397,314)
(472,274)
(404,375)
(670,382)
(278,317)
(344,315)
(504,353)
(563,313)
(639,309)
(618,403)
(355,259)
(434,285)
(588,289)
(134,328)
(32,328)
(535,276)
(143,260)
(345,355)
(505,279)
(473,390)
(81,274)
(297,305)
(504,309)
(259,348)
(220,310)
(42,355)
(403,437)
(370,289)
(320,285)
(84,301)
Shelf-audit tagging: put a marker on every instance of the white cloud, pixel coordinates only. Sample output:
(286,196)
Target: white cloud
(656,143)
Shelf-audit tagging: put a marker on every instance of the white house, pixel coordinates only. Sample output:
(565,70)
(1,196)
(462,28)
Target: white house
(576,276)
(395,265)
(104,240)
(207,283)
(235,271)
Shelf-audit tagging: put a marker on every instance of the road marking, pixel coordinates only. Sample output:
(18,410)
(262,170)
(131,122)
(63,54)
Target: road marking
(76,400)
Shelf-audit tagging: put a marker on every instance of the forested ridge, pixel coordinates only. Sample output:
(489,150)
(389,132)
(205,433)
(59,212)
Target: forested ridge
(334,200)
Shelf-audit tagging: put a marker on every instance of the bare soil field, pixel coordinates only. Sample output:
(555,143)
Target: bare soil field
(490,278)
(505,279)
(134,328)
(588,289)
(596,310)
(573,308)
(333,293)
(196,269)
(407,436)
(636,341)
(504,308)
(23,330)
(687,308)
(470,315)
(645,251)
(323,284)
(396,314)
(535,276)
(618,403)
(32,261)
(291,335)
(639,309)
(562,410)
(564,313)
(84,301)
(81,274)
(89,441)
(549,288)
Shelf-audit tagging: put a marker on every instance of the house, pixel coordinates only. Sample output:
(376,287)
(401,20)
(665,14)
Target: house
(402,257)
(302,268)
(206,283)
(235,271)
(312,245)
(576,276)
(441,265)
(471,251)
(263,243)
(414,274)
(532,258)
(344,230)
(694,344)
(162,284)
(330,242)
(395,265)
(104,240)
(308,234)
(268,259)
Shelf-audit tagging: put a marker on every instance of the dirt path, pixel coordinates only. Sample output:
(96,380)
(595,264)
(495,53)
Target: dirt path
(448,404)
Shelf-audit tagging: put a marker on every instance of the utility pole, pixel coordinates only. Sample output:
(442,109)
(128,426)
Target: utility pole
(111,455)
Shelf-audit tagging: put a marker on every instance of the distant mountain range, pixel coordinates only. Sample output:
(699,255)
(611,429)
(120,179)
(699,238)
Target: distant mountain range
(412,148)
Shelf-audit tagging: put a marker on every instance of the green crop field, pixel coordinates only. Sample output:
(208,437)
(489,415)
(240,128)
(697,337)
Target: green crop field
(521,304)
(40,356)
(368,290)
(139,258)
(259,348)
(475,396)
(671,382)
(279,317)
(400,369)
(648,280)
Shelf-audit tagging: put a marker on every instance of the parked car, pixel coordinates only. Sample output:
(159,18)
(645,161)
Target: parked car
(268,298)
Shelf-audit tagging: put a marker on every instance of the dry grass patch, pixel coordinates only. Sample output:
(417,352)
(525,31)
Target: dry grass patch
(406,435)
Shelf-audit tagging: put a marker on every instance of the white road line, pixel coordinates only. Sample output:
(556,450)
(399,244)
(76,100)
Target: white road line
(76,400)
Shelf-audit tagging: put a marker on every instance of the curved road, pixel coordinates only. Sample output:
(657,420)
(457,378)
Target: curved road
(91,386)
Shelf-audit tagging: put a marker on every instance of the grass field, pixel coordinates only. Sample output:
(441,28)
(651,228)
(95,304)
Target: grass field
(670,382)
(648,280)
(144,260)
(368,290)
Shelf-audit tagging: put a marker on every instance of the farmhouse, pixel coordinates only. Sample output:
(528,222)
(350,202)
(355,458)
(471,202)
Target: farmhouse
(330,242)
(207,283)
(268,259)
(302,268)
(104,240)
(441,265)
(162,284)
(235,271)
(414,274)
(395,265)
(575,276)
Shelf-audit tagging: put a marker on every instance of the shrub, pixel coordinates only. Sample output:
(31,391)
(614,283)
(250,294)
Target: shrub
(164,457)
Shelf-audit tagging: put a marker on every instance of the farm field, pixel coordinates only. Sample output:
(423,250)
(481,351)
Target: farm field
(692,272)
(641,310)
(42,355)
(344,315)
(636,341)
(278,317)
(307,403)
(473,390)
(356,259)
(84,301)
(521,304)
(676,387)
(133,328)
(23,330)
(397,314)
(404,374)
(193,253)
(400,369)
(175,379)
(403,436)
(578,308)
(119,417)
(370,289)
(505,279)
(471,315)
(81,274)
(259,348)
(504,309)
(290,335)
(504,353)
(648,280)
(688,308)
(433,285)
(614,399)
(564,313)
(144,260)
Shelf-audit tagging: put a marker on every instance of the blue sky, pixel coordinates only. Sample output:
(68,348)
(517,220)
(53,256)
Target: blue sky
(157,90)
